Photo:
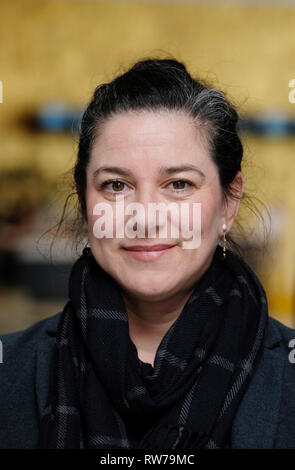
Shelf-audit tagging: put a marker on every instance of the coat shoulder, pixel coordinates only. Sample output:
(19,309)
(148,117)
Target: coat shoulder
(285,432)
(284,331)
(32,334)
(266,415)
(22,353)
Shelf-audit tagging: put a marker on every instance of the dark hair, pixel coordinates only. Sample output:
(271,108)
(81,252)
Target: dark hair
(155,84)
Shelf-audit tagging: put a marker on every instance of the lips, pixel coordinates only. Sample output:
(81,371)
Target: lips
(148,252)
(147,247)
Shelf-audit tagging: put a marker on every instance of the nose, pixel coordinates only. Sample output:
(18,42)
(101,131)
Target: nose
(139,207)
(151,216)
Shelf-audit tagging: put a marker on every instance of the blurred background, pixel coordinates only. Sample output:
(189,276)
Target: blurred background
(53,53)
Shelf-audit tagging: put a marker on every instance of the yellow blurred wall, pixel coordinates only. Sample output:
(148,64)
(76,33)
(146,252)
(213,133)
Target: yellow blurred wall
(60,50)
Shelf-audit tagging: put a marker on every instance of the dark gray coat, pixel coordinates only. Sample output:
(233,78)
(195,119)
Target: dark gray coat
(265,418)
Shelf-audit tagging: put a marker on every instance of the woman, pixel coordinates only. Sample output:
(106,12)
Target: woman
(163,344)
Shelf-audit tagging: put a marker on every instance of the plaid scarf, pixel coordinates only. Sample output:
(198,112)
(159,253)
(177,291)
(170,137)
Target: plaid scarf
(102,396)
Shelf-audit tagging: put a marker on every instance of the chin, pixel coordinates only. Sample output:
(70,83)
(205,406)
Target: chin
(152,293)
(152,281)
(146,285)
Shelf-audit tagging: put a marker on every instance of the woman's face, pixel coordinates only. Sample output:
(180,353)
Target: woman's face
(159,157)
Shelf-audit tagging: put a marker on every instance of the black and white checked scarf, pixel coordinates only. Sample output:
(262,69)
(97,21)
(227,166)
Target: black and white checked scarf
(102,396)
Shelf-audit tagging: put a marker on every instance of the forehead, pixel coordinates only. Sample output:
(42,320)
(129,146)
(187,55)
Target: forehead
(139,137)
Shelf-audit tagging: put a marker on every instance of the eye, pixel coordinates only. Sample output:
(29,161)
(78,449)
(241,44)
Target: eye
(180,185)
(114,186)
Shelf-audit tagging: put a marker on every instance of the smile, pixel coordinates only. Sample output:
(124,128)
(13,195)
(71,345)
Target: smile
(147,253)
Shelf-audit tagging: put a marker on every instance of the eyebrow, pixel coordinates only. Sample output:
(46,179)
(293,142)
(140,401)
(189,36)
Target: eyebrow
(163,170)
(111,169)
(176,169)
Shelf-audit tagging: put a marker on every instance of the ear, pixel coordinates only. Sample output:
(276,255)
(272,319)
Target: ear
(232,203)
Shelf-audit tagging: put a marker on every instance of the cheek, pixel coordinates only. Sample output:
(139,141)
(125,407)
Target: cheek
(90,203)
(101,218)
(210,219)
